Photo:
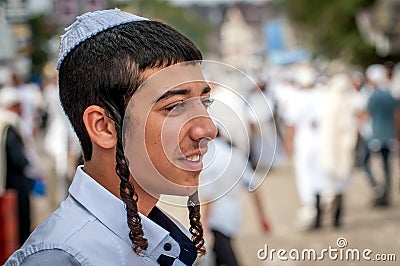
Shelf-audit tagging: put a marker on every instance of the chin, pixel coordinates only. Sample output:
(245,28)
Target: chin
(181,190)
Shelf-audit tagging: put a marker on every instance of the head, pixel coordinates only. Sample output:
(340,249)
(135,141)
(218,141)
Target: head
(376,76)
(106,61)
(305,77)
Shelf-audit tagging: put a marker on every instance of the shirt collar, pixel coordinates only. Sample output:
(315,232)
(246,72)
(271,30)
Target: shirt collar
(110,210)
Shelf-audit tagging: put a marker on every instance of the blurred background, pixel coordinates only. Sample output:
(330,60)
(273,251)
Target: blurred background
(329,71)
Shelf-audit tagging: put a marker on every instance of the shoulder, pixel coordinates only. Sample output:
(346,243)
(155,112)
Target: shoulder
(51,257)
(52,242)
(75,230)
(46,255)
(69,219)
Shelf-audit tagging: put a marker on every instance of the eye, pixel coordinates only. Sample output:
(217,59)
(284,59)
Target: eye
(176,108)
(207,102)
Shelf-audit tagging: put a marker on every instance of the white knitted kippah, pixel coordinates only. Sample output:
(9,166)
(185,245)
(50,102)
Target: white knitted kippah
(90,24)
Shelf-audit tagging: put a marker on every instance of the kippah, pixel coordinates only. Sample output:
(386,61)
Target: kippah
(90,24)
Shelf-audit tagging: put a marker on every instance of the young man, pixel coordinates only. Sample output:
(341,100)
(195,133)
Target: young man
(137,99)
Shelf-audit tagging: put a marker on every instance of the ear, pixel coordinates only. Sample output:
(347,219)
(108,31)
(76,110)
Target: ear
(100,127)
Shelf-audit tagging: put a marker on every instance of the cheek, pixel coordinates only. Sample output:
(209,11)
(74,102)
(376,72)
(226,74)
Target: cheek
(152,135)
(164,134)
(161,138)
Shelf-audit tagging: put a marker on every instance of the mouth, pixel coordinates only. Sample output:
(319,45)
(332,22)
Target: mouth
(193,161)
(194,158)
(196,155)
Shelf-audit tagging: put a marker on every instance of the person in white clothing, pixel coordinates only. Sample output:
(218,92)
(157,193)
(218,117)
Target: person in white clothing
(338,136)
(302,118)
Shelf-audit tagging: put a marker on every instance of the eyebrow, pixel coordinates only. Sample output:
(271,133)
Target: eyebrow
(171,93)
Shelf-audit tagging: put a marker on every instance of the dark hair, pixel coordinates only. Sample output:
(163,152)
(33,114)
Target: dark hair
(106,70)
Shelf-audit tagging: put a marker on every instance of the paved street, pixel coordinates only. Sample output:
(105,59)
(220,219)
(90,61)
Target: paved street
(363,227)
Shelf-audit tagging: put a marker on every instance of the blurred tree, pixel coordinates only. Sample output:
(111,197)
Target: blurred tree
(42,31)
(329,29)
(183,19)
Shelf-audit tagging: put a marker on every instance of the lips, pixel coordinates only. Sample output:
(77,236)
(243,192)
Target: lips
(196,155)
(193,161)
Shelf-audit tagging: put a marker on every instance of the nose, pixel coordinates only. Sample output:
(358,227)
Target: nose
(203,128)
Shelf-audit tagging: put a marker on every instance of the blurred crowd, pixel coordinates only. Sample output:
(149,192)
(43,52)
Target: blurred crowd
(38,148)
(334,121)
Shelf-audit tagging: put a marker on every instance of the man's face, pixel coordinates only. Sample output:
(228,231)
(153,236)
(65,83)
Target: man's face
(167,129)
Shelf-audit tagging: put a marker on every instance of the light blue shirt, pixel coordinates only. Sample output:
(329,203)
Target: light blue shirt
(90,228)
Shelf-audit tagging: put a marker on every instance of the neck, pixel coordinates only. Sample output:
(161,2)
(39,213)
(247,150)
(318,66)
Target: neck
(110,181)
(146,201)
